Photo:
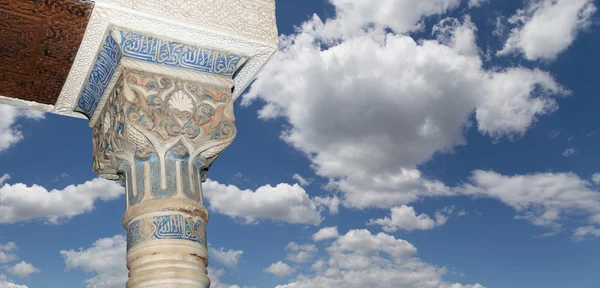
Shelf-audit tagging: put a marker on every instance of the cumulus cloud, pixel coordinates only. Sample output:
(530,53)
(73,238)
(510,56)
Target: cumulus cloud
(23,269)
(406,218)
(362,259)
(300,253)
(280,269)
(20,202)
(9,131)
(545,28)
(105,258)
(229,258)
(543,199)
(284,202)
(367,106)
(326,233)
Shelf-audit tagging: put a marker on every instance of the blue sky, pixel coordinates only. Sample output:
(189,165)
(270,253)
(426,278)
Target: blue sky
(407,143)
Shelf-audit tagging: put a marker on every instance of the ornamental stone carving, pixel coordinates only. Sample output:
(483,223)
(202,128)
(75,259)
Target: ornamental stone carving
(171,130)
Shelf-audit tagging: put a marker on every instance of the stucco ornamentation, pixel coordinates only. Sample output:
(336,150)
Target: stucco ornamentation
(159,135)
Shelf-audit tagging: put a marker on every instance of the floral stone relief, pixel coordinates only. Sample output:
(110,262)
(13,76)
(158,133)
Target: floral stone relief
(159,135)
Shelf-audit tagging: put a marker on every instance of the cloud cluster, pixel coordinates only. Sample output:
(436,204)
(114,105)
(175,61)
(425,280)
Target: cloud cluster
(367,106)
(362,259)
(20,202)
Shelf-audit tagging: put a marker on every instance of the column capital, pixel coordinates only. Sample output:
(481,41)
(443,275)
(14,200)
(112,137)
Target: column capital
(159,135)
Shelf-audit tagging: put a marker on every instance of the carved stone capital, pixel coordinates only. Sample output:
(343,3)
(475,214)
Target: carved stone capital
(159,135)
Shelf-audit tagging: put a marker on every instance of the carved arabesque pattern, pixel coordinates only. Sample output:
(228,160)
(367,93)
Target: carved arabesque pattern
(168,129)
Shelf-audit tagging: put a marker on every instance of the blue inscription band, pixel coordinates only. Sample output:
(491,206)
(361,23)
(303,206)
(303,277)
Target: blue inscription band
(106,64)
(155,50)
(173,226)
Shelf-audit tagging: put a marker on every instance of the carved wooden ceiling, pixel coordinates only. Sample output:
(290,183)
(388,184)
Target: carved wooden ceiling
(38,43)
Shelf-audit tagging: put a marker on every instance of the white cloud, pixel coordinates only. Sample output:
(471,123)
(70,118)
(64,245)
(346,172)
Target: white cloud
(406,218)
(300,253)
(284,202)
(326,233)
(9,132)
(7,253)
(586,232)
(569,152)
(477,3)
(4,178)
(19,202)
(331,203)
(368,107)
(545,28)
(106,259)
(215,279)
(543,198)
(22,269)
(462,213)
(280,269)
(301,180)
(361,259)
(6,283)
(229,258)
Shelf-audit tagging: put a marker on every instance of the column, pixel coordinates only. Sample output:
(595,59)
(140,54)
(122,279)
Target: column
(158,136)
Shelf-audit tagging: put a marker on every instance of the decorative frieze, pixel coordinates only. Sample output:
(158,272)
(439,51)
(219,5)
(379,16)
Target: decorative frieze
(166,227)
